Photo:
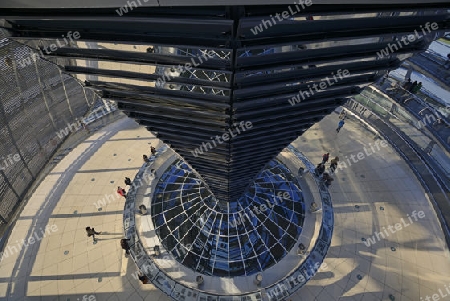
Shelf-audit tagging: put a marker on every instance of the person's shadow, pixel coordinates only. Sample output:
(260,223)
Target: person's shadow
(118,238)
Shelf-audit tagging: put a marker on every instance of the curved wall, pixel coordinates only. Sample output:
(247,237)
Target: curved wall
(38,110)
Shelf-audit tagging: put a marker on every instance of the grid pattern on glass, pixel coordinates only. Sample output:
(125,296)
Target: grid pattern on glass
(228,239)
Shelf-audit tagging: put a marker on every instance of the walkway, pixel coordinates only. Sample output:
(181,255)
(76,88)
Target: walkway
(67,264)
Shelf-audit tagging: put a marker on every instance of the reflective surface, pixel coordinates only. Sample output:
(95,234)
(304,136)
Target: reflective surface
(228,238)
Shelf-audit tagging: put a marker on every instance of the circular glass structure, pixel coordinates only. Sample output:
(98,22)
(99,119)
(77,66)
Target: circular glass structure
(228,238)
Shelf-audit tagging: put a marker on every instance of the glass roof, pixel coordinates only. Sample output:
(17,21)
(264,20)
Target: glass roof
(228,239)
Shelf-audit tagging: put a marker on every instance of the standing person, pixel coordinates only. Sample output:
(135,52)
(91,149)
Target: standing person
(153,150)
(319,169)
(127,181)
(327,179)
(334,163)
(325,158)
(145,158)
(340,125)
(91,232)
(121,191)
(301,171)
(342,114)
(313,207)
(143,278)
(125,246)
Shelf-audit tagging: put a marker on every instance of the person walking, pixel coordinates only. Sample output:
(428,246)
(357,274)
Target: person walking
(334,163)
(319,169)
(91,232)
(340,125)
(153,150)
(145,158)
(121,191)
(343,114)
(325,158)
(127,181)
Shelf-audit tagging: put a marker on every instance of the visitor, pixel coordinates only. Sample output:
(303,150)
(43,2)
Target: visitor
(301,171)
(143,278)
(145,158)
(313,207)
(91,232)
(319,169)
(125,246)
(127,181)
(325,158)
(333,164)
(153,150)
(121,191)
(327,179)
(340,125)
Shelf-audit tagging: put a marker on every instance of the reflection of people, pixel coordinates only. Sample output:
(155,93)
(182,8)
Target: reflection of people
(413,86)
(416,88)
(407,84)
(447,63)
(208,249)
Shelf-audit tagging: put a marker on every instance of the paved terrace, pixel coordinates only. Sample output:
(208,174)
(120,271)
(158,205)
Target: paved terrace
(66,265)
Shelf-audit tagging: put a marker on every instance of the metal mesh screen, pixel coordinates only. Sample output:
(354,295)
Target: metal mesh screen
(37,101)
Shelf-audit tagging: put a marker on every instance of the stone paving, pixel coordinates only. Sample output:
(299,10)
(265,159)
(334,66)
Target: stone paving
(66,265)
